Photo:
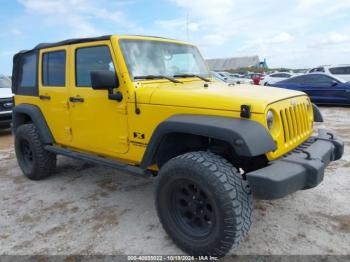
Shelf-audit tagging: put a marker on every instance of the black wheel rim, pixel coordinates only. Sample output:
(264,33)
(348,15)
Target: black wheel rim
(192,210)
(26,152)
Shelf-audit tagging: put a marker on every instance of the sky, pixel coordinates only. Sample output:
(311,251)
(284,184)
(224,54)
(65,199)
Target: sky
(288,33)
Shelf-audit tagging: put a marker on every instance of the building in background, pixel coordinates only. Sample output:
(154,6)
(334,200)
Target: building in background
(231,63)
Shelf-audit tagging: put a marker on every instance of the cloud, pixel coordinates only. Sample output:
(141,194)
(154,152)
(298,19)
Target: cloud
(337,38)
(76,15)
(281,38)
(297,33)
(287,33)
(193,27)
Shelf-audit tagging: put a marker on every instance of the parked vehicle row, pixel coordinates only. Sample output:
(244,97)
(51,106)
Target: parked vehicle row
(6,102)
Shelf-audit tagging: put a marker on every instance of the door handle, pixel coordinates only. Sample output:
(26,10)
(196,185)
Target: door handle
(45,97)
(76,99)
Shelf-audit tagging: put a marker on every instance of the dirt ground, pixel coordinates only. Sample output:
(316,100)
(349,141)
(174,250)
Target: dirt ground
(87,209)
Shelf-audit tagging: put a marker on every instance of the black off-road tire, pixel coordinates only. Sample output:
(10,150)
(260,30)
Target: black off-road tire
(35,162)
(220,185)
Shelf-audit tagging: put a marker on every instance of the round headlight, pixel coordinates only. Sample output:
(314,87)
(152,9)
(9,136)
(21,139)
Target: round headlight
(269,119)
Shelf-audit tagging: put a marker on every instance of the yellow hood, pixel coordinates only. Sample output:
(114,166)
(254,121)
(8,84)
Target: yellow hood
(218,96)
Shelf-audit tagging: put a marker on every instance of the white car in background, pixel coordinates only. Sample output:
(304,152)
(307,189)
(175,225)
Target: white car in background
(6,102)
(274,78)
(232,79)
(340,71)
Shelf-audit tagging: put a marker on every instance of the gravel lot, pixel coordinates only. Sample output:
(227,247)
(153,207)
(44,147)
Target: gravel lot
(87,209)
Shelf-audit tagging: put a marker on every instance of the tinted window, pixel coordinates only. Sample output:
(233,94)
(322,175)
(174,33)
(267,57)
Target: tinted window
(319,80)
(28,71)
(54,68)
(340,70)
(90,59)
(285,75)
(297,79)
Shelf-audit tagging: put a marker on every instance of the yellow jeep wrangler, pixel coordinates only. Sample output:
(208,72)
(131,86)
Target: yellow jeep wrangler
(149,106)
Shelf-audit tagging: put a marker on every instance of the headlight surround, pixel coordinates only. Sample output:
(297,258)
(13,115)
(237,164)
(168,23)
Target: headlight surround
(269,119)
(308,105)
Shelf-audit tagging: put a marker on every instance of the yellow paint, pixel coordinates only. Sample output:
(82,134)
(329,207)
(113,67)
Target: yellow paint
(106,127)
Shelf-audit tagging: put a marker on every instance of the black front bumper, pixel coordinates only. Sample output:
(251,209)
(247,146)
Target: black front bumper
(302,168)
(5,119)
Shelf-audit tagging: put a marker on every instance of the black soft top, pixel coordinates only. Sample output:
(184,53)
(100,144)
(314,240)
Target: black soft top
(68,42)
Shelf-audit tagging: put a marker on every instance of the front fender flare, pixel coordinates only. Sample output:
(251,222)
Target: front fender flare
(248,138)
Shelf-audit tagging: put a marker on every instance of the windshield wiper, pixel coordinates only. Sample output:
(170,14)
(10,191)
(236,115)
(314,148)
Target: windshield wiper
(158,77)
(193,75)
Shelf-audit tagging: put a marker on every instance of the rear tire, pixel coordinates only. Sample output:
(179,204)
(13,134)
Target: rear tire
(35,162)
(203,203)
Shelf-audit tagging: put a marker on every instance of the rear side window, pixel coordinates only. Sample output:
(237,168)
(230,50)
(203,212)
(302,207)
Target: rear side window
(318,69)
(54,68)
(28,71)
(24,73)
(89,59)
(345,70)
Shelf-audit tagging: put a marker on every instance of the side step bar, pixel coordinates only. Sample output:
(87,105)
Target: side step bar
(99,160)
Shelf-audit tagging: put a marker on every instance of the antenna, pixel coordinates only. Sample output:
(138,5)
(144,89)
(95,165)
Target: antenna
(187,23)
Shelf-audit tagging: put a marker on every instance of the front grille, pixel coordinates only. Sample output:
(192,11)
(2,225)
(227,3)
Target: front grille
(296,122)
(4,104)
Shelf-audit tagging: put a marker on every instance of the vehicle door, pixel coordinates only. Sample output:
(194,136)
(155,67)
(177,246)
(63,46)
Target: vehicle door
(325,89)
(54,92)
(99,124)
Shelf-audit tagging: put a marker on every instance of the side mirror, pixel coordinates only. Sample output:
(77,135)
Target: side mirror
(104,80)
(334,83)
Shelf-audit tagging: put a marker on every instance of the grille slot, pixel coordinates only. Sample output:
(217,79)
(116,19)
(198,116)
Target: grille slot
(4,101)
(296,123)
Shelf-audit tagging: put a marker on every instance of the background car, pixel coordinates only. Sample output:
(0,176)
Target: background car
(322,88)
(227,78)
(341,71)
(6,102)
(274,78)
(221,77)
(235,79)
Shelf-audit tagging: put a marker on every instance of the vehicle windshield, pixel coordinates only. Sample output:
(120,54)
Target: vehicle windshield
(155,58)
(5,82)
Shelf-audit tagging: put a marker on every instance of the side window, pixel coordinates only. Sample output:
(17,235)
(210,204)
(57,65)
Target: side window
(28,71)
(340,70)
(298,79)
(318,69)
(319,80)
(285,75)
(54,68)
(89,59)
